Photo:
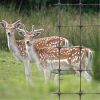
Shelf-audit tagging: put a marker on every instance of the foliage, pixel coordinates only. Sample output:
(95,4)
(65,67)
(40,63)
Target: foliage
(48,20)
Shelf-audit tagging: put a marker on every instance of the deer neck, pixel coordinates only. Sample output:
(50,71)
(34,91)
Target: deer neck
(33,54)
(12,45)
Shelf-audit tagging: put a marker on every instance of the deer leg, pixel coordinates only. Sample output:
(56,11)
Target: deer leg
(27,70)
(56,79)
(86,75)
(47,74)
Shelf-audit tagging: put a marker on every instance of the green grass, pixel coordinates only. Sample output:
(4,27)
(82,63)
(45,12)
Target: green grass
(13,85)
(12,81)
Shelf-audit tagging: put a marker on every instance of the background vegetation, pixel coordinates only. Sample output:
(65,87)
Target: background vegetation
(43,14)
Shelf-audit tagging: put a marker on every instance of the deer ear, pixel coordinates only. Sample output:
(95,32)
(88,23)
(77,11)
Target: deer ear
(17,24)
(3,23)
(21,32)
(37,32)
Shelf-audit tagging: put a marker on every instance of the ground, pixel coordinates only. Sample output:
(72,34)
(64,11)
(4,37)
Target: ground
(13,85)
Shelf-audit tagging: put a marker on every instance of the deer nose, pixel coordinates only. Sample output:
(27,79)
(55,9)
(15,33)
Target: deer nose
(9,33)
(28,42)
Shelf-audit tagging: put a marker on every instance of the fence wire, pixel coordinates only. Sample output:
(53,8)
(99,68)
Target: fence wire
(80,93)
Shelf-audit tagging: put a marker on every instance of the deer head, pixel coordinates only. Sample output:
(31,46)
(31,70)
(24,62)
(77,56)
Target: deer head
(10,28)
(28,36)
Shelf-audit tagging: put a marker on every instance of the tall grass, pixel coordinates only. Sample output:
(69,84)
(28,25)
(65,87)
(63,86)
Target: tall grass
(48,19)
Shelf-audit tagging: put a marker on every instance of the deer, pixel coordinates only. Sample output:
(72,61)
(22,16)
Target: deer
(18,48)
(76,59)
(52,41)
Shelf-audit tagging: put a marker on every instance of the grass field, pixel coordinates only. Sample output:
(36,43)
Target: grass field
(14,87)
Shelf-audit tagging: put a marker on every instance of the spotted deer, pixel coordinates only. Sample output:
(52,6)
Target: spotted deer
(51,41)
(18,47)
(70,58)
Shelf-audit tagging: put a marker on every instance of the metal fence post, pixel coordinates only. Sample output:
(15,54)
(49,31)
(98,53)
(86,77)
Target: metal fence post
(80,92)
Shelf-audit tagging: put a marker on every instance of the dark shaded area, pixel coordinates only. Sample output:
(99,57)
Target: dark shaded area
(26,5)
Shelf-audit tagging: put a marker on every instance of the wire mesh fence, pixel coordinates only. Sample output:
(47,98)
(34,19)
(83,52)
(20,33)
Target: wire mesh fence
(81,92)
